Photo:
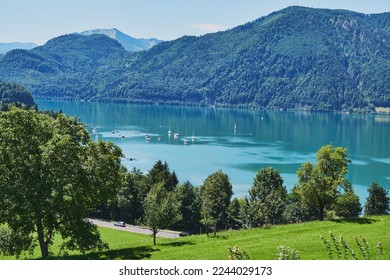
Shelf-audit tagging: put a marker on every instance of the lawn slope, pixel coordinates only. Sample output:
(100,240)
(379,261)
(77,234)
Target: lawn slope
(260,243)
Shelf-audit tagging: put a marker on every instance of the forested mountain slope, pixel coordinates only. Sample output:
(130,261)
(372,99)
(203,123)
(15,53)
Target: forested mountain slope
(296,58)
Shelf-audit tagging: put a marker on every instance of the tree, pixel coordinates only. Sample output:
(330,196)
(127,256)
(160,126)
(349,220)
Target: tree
(377,202)
(267,196)
(52,175)
(190,206)
(216,193)
(347,205)
(234,213)
(318,183)
(161,209)
(129,199)
(160,173)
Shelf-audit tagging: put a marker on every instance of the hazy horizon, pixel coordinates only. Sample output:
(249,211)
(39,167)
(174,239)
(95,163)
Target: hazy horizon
(41,20)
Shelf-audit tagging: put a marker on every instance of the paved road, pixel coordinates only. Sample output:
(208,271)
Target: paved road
(130,228)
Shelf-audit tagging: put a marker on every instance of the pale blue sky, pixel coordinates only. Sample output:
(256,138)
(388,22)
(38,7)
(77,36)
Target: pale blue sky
(40,20)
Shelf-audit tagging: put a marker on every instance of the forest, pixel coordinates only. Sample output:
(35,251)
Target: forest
(297,58)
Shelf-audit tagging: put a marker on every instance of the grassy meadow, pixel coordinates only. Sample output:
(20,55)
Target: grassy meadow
(260,243)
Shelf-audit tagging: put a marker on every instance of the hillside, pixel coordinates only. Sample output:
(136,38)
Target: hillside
(131,44)
(259,243)
(296,58)
(64,67)
(14,93)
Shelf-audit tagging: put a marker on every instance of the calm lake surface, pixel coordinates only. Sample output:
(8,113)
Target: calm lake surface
(239,142)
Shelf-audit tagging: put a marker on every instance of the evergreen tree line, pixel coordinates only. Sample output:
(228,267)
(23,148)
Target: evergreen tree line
(157,200)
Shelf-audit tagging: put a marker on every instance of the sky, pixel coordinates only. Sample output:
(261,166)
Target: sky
(40,20)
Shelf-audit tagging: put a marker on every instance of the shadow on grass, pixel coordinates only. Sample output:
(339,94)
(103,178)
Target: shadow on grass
(219,236)
(177,244)
(361,221)
(137,253)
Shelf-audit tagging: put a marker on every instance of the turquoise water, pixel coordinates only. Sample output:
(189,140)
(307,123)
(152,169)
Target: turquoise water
(239,142)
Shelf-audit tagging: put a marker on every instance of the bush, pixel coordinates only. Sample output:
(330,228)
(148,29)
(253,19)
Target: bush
(238,254)
(287,253)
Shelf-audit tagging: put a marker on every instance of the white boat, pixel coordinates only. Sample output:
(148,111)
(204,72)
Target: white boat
(186,141)
(176,135)
(94,131)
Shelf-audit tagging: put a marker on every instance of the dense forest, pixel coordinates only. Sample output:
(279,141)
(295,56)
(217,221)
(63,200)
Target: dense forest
(296,58)
(14,94)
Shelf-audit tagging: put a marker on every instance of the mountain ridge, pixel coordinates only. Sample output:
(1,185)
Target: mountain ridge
(296,58)
(128,42)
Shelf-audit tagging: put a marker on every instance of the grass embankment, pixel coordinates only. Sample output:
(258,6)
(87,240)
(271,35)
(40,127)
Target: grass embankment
(260,243)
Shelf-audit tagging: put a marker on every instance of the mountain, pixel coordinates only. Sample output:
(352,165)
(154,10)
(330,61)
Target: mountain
(64,67)
(129,43)
(6,47)
(296,58)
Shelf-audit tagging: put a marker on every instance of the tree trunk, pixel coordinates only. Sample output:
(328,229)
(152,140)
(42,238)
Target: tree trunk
(154,238)
(41,238)
(322,211)
(215,230)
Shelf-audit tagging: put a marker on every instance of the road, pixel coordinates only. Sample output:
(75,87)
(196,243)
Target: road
(130,228)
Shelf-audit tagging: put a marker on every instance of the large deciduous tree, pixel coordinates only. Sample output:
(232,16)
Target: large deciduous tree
(51,177)
(161,209)
(216,193)
(318,183)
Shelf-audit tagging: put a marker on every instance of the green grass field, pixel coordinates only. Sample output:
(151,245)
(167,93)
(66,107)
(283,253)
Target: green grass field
(260,243)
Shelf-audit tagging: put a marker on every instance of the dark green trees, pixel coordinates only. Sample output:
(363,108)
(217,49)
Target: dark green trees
(216,193)
(51,177)
(267,197)
(347,205)
(377,201)
(14,94)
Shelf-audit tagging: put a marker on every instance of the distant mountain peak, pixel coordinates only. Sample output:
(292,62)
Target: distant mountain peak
(129,43)
(6,47)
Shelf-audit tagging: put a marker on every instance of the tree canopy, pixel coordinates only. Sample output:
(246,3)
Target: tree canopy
(377,201)
(267,196)
(52,175)
(318,183)
(216,193)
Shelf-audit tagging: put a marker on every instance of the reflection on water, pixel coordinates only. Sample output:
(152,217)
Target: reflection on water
(237,141)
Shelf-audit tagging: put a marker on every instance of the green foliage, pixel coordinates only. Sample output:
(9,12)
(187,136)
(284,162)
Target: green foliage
(161,209)
(190,207)
(347,205)
(318,183)
(238,254)
(13,243)
(267,197)
(52,175)
(296,58)
(287,253)
(377,201)
(234,213)
(216,193)
(14,94)
(160,174)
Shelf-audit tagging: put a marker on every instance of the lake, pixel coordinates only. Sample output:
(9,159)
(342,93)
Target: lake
(237,141)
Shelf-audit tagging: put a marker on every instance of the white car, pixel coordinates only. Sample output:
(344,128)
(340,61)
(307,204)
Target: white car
(120,224)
